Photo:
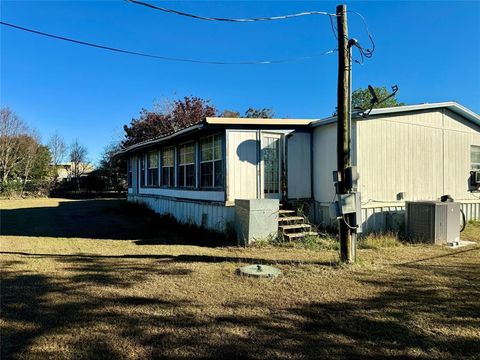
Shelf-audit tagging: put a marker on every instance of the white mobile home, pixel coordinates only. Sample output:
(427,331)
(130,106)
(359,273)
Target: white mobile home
(418,152)
(197,173)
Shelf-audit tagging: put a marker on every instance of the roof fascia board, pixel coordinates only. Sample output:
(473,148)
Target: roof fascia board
(451,105)
(160,140)
(258,121)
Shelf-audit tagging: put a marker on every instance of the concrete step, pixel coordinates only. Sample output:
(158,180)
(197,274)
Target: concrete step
(286,212)
(300,234)
(290,218)
(295,226)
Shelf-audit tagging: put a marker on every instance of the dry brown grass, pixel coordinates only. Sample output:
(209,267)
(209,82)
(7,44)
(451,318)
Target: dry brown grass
(472,231)
(121,294)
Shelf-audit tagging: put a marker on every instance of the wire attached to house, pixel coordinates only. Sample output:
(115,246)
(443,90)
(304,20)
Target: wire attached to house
(168,58)
(199,17)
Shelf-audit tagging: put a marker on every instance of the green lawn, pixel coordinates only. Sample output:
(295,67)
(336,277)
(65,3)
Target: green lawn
(99,279)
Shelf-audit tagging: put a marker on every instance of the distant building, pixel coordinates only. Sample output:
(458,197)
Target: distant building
(65,171)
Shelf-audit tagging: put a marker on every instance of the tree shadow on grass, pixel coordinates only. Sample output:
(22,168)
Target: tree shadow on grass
(174,259)
(39,306)
(103,219)
(405,319)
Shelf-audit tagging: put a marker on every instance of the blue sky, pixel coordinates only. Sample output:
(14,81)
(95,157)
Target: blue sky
(429,49)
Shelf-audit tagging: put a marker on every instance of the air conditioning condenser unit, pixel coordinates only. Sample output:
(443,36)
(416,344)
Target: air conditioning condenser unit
(433,222)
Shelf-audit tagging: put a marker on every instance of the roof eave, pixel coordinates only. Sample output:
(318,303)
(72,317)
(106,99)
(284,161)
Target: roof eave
(258,121)
(159,140)
(451,105)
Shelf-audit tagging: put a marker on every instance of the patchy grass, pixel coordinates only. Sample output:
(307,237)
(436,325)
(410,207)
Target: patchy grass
(324,241)
(472,231)
(96,281)
(379,241)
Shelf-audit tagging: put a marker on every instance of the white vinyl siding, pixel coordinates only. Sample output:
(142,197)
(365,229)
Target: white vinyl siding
(242,164)
(299,162)
(426,154)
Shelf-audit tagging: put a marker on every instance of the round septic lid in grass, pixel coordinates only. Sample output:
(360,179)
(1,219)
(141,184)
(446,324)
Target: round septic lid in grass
(258,270)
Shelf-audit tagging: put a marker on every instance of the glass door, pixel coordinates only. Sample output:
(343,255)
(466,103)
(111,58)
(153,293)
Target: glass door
(271,162)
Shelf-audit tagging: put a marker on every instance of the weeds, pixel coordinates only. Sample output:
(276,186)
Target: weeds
(379,241)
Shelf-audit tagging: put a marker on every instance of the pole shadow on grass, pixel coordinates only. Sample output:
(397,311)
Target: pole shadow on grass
(68,316)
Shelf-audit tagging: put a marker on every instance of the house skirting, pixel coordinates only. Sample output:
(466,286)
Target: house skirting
(212,216)
(380,217)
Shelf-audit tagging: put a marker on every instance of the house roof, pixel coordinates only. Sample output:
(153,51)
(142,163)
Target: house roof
(217,121)
(220,121)
(257,121)
(160,139)
(450,105)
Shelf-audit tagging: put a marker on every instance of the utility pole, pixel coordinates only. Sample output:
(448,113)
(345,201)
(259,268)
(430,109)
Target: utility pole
(347,222)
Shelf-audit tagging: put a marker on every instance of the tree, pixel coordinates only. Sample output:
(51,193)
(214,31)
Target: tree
(22,157)
(12,129)
(58,150)
(264,113)
(361,98)
(78,160)
(183,113)
(41,166)
(29,146)
(230,114)
(112,171)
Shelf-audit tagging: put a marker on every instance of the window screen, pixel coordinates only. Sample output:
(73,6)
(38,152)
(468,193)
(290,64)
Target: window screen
(475,157)
(152,168)
(186,165)
(211,163)
(168,167)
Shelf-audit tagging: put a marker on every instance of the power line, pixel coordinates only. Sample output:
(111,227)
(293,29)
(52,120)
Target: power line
(167,58)
(270,18)
(368,53)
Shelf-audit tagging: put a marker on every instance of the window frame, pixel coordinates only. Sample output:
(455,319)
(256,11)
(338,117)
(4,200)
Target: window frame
(474,166)
(129,173)
(141,171)
(148,169)
(182,183)
(213,161)
(170,184)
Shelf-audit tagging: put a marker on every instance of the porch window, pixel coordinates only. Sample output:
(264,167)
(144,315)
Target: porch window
(142,170)
(129,172)
(168,167)
(475,157)
(186,165)
(211,162)
(152,168)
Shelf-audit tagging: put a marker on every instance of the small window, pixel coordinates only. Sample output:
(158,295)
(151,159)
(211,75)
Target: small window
(211,162)
(142,170)
(129,173)
(186,165)
(168,167)
(475,157)
(152,168)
